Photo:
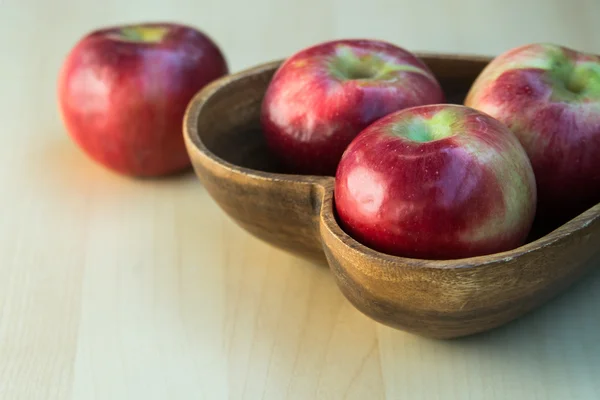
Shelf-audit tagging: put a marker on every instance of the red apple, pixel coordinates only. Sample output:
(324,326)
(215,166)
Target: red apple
(549,96)
(123,92)
(323,96)
(436,182)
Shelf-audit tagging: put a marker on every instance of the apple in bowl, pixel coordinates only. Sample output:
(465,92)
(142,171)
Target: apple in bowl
(436,182)
(320,98)
(549,97)
(123,92)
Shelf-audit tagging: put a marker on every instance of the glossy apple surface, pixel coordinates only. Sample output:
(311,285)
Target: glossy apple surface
(549,96)
(436,182)
(123,92)
(323,96)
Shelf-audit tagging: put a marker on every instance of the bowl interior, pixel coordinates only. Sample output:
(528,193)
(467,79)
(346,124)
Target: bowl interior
(239,140)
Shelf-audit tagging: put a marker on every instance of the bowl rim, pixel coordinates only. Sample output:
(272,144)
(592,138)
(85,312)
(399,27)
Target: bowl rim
(326,184)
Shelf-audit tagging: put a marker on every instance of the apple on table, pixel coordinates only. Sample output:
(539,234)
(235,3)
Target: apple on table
(436,182)
(320,98)
(123,91)
(549,97)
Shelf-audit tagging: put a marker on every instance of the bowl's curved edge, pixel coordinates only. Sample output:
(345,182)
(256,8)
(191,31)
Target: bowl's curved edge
(280,209)
(589,219)
(454,298)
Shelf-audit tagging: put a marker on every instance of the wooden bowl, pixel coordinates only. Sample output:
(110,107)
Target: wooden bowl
(441,299)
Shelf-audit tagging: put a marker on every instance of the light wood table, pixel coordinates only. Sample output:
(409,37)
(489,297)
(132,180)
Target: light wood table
(114,288)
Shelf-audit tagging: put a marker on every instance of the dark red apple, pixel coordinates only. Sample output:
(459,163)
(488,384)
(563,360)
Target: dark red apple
(123,92)
(323,96)
(549,96)
(436,182)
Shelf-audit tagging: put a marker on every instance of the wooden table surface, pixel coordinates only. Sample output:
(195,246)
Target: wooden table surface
(115,288)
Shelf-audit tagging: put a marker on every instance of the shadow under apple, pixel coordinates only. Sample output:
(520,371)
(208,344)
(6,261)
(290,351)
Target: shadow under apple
(61,167)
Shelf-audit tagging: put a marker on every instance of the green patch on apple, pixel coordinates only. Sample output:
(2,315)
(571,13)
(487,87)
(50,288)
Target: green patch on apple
(441,125)
(347,65)
(144,34)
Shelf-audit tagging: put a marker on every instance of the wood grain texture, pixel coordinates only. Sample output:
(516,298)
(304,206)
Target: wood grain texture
(450,299)
(112,288)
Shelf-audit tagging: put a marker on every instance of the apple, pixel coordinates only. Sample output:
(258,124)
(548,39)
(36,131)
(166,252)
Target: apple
(320,98)
(123,91)
(436,182)
(549,97)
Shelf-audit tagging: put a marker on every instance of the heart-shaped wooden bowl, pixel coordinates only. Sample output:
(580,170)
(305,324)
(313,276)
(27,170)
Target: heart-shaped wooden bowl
(441,299)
